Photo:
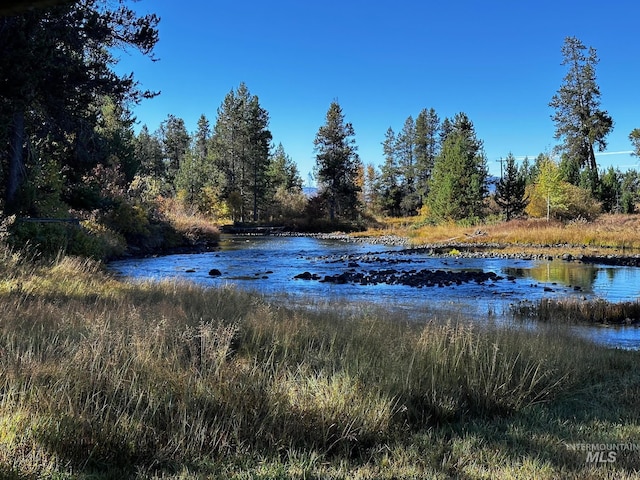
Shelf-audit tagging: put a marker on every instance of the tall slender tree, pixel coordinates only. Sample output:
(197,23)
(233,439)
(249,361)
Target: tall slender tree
(202,138)
(388,184)
(241,140)
(337,164)
(406,152)
(148,151)
(258,150)
(580,122)
(283,171)
(175,140)
(426,149)
(510,190)
(196,170)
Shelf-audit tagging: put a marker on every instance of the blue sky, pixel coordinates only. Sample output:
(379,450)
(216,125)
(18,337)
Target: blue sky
(497,61)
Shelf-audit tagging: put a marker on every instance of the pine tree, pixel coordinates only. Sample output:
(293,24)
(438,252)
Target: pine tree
(241,141)
(56,67)
(148,151)
(388,185)
(337,164)
(202,138)
(510,190)
(610,190)
(405,150)
(283,171)
(258,147)
(458,185)
(580,123)
(196,170)
(426,149)
(175,141)
(634,138)
(286,198)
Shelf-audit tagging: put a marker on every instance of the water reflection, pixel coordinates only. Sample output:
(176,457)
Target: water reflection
(611,283)
(559,272)
(268,265)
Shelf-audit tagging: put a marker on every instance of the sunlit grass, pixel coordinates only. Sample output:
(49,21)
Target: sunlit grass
(172,380)
(607,232)
(187,220)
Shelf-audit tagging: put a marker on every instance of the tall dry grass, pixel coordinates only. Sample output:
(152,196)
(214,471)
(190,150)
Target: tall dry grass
(102,376)
(606,232)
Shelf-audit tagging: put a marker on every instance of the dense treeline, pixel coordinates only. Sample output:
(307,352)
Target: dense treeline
(69,149)
(228,170)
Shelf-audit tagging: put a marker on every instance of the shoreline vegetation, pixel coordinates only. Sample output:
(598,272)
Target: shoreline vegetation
(108,379)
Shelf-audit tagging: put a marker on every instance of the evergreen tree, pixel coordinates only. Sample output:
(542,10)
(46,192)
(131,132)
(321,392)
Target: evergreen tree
(445,129)
(370,192)
(337,164)
(528,171)
(258,139)
(405,151)
(56,66)
(458,185)
(241,141)
(114,132)
(426,149)
(283,171)
(610,191)
(202,138)
(510,190)
(388,185)
(630,187)
(634,138)
(199,183)
(149,155)
(580,123)
(175,141)
(286,198)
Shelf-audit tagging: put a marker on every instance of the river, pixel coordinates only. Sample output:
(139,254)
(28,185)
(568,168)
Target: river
(268,265)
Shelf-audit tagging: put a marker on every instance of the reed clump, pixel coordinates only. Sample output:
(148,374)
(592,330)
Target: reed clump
(574,311)
(100,376)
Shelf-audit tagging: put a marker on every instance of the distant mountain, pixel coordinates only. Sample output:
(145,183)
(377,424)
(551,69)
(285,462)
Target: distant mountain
(491,183)
(310,191)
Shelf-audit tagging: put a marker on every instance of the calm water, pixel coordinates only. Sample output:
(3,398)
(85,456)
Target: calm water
(268,265)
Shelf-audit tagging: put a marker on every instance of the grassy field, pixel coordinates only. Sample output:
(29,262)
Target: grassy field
(605,235)
(104,379)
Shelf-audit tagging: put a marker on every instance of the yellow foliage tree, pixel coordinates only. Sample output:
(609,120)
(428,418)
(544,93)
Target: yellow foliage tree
(550,196)
(549,192)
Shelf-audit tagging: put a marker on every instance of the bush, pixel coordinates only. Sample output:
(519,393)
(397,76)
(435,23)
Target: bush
(131,221)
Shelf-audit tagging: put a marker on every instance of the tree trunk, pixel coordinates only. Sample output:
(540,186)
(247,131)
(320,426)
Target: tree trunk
(16,159)
(592,159)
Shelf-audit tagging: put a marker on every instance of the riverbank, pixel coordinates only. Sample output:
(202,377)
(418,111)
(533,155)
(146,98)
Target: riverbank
(474,248)
(607,235)
(106,379)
